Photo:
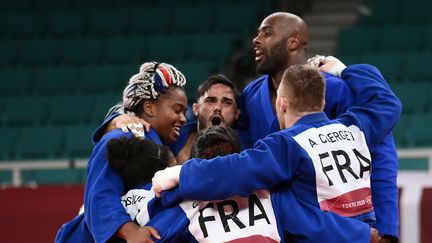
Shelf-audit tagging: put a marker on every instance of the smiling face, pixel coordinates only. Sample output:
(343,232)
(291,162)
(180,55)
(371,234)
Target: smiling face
(281,41)
(217,107)
(168,114)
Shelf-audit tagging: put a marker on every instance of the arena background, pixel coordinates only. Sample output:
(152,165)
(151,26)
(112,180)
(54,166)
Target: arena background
(63,63)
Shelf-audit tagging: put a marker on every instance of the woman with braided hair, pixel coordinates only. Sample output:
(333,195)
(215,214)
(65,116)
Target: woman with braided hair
(155,94)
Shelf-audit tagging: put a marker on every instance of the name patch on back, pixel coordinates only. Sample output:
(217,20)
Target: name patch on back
(342,163)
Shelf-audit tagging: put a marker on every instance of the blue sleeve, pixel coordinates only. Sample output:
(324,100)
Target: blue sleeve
(171,223)
(104,212)
(384,157)
(377,108)
(244,138)
(338,97)
(303,222)
(74,231)
(241,174)
(100,131)
(384,187)
(171,197)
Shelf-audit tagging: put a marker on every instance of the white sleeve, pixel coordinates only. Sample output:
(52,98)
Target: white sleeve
(135,202)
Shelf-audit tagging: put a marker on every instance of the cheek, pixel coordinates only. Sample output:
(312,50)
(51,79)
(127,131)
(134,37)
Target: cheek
(205,110)
(173,117)
(168,118)
(229,113)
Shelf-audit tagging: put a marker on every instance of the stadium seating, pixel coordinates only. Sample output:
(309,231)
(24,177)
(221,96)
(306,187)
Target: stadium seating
(169,48)
(99,79)
(401,132)
(120,50)
(415,96)
(390,64)
(25,111)
(70,109)
(416,66)
(193,19)
(67,23)
(102,105)
(65,63)
(8,143)
(397,38)
(421,134)
(40,142)
(78,141)
(358,40)
(82,51)
(10,53)
(221,46)
(144,21)
(109,22)
(196,73)
(24,25)
(55,80)
(40,53)
(16,82)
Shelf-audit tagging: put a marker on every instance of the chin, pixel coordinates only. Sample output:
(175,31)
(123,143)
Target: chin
(169,140)
(261,69)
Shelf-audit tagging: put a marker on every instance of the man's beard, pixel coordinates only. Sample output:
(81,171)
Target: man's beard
(205,123)
(202,123)
(274,60)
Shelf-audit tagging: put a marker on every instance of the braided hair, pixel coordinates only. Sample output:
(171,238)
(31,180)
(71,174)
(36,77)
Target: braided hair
(152,80)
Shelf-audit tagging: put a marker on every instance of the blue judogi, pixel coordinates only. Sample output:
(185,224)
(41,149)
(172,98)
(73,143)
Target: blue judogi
(258,118)
(260,217)
(321,160)
(103,212)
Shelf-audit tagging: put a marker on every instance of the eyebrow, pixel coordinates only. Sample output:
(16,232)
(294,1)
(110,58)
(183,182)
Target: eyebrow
(180,106)
(226,98)
(214,98)
(210,98)
(261,28)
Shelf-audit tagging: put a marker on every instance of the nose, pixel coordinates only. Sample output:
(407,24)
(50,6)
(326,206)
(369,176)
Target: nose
(182,118)
(255,40)
(218,106)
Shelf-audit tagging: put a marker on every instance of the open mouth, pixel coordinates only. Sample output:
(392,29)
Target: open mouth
(258,54)
(216,121)
(177,131)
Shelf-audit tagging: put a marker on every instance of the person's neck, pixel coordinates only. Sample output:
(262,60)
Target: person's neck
(276,79)
(185,153)
(292,117)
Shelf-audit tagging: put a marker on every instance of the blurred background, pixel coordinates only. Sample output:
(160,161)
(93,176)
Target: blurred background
(64,63)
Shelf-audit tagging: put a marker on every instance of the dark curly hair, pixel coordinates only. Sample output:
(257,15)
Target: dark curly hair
(136,160)
(215,141)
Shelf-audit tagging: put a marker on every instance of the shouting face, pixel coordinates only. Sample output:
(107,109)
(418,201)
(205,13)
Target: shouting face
(217,107)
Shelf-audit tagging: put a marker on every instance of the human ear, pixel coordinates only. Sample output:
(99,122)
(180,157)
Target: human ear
(283,104)
(293,42)
(237,113)
(195,108)
(149,108)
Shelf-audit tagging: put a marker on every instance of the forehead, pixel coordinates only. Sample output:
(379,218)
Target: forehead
(174,96)
(219,90)
(275,22)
